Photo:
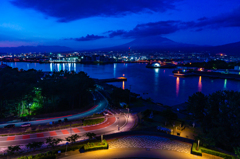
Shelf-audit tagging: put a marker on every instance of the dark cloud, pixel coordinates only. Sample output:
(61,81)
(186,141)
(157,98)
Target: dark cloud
(87,38)
(149,29)
(231,19)
(68,10)
(203,18)
(116,33)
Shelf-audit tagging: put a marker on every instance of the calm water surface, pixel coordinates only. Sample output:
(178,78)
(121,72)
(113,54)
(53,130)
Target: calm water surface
(158,84)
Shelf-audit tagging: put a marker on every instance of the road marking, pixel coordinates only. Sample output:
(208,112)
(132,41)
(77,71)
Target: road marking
(65,132)
(11,138)
(40,135)
(76,130)
(26,137)
(53,133)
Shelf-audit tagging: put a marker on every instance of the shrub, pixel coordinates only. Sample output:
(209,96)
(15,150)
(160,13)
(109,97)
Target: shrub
(13,149)
(195,151)
(90,135)
(77,124)
(73,138)
(29,130)
(95,146)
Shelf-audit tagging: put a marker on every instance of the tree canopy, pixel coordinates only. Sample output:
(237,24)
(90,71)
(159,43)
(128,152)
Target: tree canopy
(31,92)
(219,116)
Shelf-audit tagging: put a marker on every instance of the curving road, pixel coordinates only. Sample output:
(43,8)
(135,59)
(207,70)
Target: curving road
(99,98)
(112,124)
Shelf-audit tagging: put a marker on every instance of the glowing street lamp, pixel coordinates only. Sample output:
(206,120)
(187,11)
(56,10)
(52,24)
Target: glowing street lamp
(118,124)
(198,144)
(128,112)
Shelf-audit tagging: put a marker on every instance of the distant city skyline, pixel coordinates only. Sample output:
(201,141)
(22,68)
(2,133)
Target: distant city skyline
(99,24)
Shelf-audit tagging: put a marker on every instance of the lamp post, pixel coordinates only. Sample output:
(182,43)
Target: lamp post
(129,94)
(198,144)
(128,112)
(93,99)
(118,123)
(66,148)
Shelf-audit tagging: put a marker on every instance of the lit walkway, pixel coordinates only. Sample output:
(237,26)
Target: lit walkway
(130,153)
(150,142)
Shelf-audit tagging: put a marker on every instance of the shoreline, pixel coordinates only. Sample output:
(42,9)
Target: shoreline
(213,75)
(79,62)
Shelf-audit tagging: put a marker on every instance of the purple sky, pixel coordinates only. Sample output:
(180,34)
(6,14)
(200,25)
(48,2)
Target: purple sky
(102,23)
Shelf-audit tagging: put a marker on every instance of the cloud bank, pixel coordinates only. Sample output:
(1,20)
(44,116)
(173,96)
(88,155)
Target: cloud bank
(69,10)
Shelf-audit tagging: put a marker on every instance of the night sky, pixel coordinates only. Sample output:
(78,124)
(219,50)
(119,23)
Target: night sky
(102,23)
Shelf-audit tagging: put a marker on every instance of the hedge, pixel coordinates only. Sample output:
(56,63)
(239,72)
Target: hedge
(95,146)
(216,153)
(39,156)
(195,151)
(209,151)
(52,154)
(93,121)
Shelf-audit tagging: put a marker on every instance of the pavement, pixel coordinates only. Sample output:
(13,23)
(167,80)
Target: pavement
(115,122)
(141,146)
(131,153)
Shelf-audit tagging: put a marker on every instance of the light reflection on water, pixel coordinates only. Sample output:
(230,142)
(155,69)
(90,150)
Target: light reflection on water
(177,86)
(123,85)
(158,84)
(200,84)
(225,84)
(156,79)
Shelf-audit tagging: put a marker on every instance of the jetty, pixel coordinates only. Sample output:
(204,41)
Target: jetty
(118,79)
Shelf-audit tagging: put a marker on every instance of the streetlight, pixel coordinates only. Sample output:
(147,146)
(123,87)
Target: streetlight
(118,123)
(66,148)
(128,112)
(198,144)
(129,94)
(93,99)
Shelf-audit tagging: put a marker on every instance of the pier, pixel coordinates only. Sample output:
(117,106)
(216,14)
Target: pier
(118,79)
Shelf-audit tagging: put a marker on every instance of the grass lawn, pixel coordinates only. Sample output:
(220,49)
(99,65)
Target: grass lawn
(209,151)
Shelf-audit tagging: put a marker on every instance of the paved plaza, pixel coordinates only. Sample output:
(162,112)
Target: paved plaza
(150,142)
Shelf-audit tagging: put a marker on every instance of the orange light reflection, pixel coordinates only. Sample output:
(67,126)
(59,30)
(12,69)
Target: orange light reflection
(200,84)
(177,86)
(123,85)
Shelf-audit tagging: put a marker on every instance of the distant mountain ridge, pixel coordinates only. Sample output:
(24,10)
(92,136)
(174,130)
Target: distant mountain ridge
(159,43)
(39,48)
(231,48)
(153,43)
